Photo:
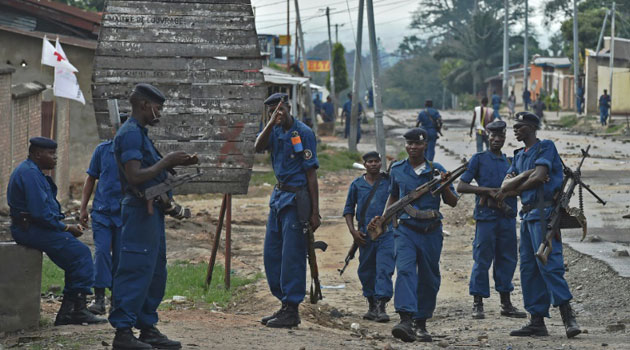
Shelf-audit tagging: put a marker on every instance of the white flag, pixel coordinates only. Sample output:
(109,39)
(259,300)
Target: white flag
(66,85)
(55,57)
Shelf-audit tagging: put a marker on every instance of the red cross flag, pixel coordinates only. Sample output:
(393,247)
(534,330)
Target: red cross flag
(66,83)
(55,57)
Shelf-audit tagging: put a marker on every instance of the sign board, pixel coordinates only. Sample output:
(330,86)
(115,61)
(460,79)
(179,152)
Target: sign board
(204,56)
(285,40)
(317,66)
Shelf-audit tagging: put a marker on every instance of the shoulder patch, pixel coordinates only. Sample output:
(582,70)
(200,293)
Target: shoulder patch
(308,154)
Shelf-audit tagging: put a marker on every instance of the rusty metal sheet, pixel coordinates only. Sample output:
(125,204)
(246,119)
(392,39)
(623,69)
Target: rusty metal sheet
(204,56)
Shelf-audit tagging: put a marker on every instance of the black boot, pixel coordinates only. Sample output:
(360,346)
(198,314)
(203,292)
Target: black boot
(477,310)
(536,326)
(507,309)
(381,313)
(568,318)
(98,304)
(64,315)
(371,313)
(422,334)
(81,315)
(289,317)
(266,319)
(404,330)
(158,340)
(124,339)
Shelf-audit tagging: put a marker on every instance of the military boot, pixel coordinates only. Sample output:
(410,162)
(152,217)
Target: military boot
(81,315)
(64,315)
(536,326)
(289,317)
(507,309)
(404,330)
(154,337)
(124,339)
(568,318)
(381,313)
(420,326)
(477,309)
(371,313)
(266,319)
(97,306)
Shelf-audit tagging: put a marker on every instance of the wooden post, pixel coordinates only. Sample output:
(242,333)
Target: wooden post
(228,241)
(215,245)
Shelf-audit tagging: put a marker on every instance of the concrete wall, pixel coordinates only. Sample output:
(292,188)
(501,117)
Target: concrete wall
(83,134)
(590,86)
(5,131)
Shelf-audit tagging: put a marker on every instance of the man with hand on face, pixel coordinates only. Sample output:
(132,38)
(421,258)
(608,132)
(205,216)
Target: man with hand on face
(418,239)
(294,205)
(140,278)
(495,235)
(36,222)
(368,195)
(536,175)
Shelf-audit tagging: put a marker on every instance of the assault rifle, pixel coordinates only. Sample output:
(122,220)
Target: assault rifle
(316,288)
(562,215)
(160,192)
(349,256)
(398,206)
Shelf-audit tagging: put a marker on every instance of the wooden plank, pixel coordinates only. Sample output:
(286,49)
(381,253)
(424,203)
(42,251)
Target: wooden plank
(176,63)
(237,38)
(214,187)
(134,76)
(149,49)
(193,106)
(178,2)
(184,91)
(181,133)
(222,21)
(215,174)
(184,8)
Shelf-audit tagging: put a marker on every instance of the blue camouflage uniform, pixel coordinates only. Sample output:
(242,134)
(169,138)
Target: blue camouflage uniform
(376,259)
(418,243)
(495,234)
(285,242)
(542,284)
(604,106)
(347,109)
(496,105)
(140,278)
(426,120)
(106,220)
(32,192)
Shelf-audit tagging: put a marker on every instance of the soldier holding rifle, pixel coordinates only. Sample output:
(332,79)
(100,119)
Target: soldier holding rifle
(495,234)
(368,195)
(294,206)
(536,175)
(418,235)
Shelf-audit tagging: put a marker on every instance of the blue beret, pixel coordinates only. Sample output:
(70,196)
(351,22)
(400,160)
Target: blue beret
(416,134)
(371,155)
(150,92)
(527,118)
(43,142)
(276,98)
(497,126)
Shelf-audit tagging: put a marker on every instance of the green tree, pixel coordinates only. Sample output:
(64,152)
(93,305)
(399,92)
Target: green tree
(339,66)
(410,82)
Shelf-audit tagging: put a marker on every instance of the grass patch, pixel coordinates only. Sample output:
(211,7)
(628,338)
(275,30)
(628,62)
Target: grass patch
(259,178)
(611,129)
(333,159)
(569,121)
(183,279)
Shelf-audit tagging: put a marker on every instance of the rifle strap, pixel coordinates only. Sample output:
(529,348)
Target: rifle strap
(433,119)
(370,196)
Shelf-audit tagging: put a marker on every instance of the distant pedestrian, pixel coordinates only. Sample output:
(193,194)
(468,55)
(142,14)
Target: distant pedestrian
(481,118)
(346,113)
(317,104)
(580,100)
(431,121)
(511,104)
(328,110)
(527,99)
(496,105)
(539,107)
(604,107)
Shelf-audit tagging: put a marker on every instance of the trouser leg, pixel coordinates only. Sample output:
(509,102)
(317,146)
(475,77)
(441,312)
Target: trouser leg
(367,267)
(293,274)
(430,151)
(405,298)
(272,254)
(72,256)
(483,254)
(148,315)
(505,255)
(102,235)
(429,278)
(385,264)
(535,296)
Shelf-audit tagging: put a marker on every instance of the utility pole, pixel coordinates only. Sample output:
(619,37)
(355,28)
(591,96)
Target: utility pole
(352,138)
(505,91)
(306,73)
(612,56)
(332,69)
(376,86)
(601,34)
(288,35)
(576,58)
(525,53)
(336,33)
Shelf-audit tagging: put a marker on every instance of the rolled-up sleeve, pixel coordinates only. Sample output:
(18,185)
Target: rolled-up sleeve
(471,171)
(351,200)
(94,170)
(546,155)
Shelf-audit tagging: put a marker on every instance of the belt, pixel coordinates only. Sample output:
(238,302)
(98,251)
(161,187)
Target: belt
(422,230)
(428,214)
(529,207)
(286,188)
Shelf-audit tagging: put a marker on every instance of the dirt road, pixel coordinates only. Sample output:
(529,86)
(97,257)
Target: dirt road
(601,296)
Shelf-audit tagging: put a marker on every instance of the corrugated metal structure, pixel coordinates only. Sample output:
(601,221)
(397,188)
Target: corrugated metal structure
(204,55)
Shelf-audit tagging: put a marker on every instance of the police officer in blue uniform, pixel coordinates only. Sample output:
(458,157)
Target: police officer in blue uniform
(368,195)
(495,235)
(140,278)
(36,222)
(496,105)
(418,239)
(431,121)
(106,220)
(347,112)
(536,175)
(604,107)
(294,204)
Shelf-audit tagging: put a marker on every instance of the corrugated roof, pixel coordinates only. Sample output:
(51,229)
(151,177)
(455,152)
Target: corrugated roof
(556,62)
(64,39)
